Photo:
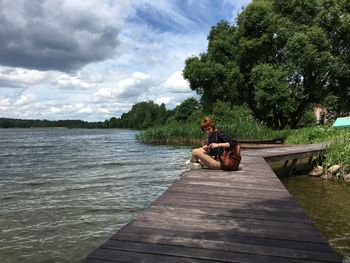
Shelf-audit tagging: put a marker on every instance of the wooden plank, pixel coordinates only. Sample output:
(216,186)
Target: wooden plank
(233,224)
(233,210)
(252,230)
(254,203)
(224,236)
(202,254)
(231,189)
(117,256)
(243,213)
(247,183)
(268,205)
(231,195)
(223,246)
(195,218)
(261,230)
(226,207)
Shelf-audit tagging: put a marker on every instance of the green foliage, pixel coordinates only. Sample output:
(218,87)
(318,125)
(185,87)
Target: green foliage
(143,115)
(173,133)
(236,121)
(183,111)
(273,97)
(338,152)
(113,122)
(280,58)
(308,118)
(316,134)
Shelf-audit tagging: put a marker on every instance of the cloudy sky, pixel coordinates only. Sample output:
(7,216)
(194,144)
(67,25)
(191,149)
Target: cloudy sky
(94,59)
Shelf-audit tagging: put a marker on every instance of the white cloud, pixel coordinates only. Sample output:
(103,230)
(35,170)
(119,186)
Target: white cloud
(69,108)
(103,110)
(5,102)
(19,77)
(25,99)
(135,85)
(171,92)
(176,83)
(103,94)
(86,110)
(66,81)
(128,89)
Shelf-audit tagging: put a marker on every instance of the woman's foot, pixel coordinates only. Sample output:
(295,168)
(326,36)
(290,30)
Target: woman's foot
(193,165)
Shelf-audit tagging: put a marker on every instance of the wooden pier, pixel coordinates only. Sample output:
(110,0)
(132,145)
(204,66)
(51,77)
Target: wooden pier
(217,216)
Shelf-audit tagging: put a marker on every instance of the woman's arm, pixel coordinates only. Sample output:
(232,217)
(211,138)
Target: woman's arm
(219,145)
(224,141)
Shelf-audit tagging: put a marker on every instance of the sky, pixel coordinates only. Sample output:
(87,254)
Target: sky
(94,59)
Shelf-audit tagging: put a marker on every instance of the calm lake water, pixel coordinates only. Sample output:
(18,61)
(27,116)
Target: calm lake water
(65,191)
(327,204)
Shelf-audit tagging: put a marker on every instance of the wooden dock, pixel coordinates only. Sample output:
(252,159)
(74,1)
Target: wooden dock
(217,216)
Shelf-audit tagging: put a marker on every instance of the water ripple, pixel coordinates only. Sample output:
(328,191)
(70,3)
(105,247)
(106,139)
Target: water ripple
(63,187)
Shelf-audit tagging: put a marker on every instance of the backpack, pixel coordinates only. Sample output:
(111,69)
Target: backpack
(231,158)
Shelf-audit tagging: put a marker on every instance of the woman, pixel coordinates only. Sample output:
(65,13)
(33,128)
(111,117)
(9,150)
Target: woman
(208,155)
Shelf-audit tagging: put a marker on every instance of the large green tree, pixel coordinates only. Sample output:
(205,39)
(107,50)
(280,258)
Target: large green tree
(143,115)
(183,111)
(279,58)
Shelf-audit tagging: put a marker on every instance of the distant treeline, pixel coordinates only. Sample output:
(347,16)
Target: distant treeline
(149,114)
(142,115)
(18,123)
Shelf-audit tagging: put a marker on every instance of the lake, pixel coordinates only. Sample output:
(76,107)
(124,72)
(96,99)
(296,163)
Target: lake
(65,191)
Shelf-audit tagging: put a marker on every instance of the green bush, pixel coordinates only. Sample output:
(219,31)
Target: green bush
(338,152)
(315,134)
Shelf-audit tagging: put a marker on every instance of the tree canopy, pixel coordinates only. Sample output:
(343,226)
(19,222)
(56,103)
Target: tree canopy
(279,58)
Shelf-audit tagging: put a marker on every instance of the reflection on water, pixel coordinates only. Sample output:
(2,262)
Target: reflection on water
(327,203)
(65,191)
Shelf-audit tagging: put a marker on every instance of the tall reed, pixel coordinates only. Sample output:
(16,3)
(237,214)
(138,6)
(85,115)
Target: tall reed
(190,133)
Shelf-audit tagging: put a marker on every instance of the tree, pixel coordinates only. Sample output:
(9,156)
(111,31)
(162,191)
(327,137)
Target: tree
(105,124)
(113,122)
(147,121)
(277,48)
(185,109)
(215,74)
(143,115)
(273,96)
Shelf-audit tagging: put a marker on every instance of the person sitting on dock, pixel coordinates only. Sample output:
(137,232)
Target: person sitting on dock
(208,154)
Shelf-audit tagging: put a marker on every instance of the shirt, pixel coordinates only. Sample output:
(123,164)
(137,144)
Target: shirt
(220,137)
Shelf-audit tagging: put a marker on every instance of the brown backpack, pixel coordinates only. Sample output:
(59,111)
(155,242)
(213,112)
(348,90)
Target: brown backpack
(231,158)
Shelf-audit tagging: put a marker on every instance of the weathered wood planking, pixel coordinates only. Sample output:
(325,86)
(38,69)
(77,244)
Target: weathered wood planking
(288,152)
(216,216)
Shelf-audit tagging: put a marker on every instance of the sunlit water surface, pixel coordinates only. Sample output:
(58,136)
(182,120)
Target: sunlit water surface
(65,191)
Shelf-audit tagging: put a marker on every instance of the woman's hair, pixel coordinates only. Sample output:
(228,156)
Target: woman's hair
(207,122)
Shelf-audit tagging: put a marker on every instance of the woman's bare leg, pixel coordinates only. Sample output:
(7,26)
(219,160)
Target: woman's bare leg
(205,159)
